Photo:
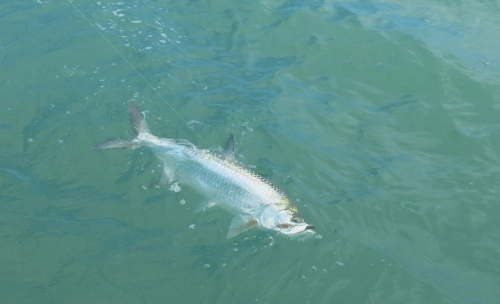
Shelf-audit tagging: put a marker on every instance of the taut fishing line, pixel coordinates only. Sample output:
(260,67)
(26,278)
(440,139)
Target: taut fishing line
(153,88)
(138,73)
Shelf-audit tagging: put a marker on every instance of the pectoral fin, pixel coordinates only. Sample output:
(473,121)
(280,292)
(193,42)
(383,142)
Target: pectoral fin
(241,223)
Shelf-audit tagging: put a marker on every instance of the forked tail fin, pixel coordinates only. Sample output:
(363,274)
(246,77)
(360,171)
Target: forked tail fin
(137,122)
(138,125)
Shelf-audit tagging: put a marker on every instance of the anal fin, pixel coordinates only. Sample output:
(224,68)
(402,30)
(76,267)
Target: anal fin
(166,179)
(205,204)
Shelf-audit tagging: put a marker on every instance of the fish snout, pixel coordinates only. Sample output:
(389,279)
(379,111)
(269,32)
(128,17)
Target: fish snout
(310,227)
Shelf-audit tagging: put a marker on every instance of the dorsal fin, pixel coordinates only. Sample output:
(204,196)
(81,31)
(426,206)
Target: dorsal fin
(137,122)
(229,149)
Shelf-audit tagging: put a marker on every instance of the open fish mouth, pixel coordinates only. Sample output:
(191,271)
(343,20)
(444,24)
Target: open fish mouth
(306,233)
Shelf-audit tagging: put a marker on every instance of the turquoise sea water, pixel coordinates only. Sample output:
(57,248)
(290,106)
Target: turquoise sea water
(380,119)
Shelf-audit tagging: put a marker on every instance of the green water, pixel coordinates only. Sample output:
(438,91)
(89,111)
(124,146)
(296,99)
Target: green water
(379,119)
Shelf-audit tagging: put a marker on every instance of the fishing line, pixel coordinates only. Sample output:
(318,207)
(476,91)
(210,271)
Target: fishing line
(143,78)
(138,73)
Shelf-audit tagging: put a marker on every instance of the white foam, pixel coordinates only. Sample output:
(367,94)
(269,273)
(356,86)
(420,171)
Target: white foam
(117,13)
(175,187)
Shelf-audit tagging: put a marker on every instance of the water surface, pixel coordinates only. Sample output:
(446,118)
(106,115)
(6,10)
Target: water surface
(378,118)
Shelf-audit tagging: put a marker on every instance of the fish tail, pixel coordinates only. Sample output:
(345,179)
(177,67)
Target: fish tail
(138,126)
(137,122)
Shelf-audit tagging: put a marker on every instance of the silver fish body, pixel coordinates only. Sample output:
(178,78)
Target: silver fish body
(222,180)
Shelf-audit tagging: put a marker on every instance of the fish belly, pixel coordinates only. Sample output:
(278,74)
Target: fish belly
(224,184)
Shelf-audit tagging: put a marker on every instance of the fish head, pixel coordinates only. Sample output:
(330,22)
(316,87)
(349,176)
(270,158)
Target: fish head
(288,222)
(294,226)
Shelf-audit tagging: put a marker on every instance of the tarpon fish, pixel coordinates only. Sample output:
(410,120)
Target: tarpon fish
(221,179)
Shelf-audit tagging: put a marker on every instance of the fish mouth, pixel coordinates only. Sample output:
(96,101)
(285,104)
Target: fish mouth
(307,233)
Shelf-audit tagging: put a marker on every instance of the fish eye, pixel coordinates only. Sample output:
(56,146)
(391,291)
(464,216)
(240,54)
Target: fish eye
(297,219)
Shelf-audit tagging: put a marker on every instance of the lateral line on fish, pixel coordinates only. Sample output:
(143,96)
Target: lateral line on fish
(138,73)
(220,180)
(154,89)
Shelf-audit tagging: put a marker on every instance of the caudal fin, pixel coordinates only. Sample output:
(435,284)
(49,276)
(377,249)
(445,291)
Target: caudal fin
(118,143)
(138,125)
(137,122)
